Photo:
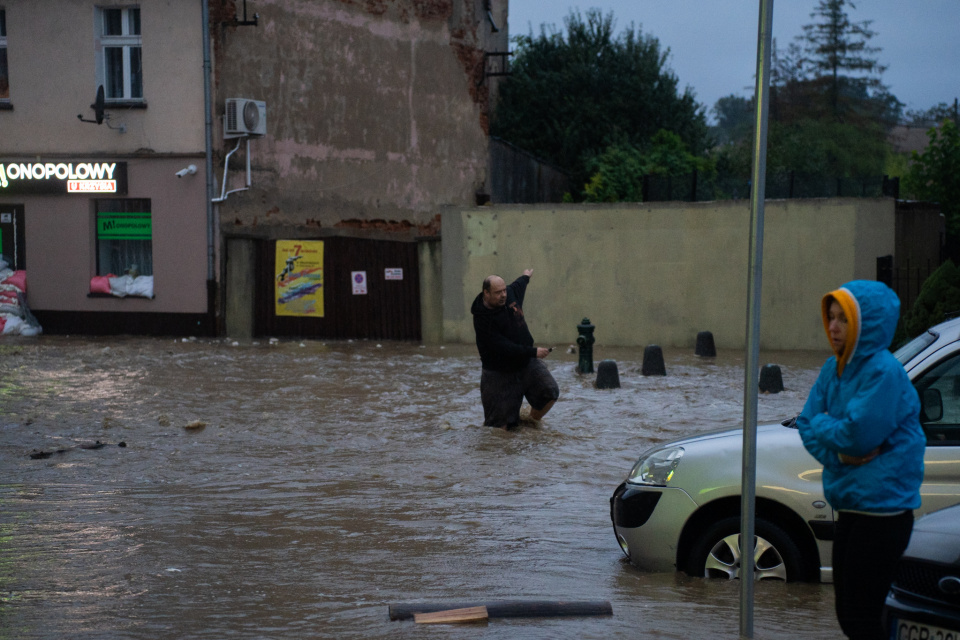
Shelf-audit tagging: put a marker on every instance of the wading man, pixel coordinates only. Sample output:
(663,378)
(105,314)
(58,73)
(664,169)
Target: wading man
(512,366)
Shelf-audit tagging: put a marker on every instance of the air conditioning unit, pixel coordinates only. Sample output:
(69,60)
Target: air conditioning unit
(245,117)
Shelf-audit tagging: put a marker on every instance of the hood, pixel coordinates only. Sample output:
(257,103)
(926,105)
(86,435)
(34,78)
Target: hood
(479,309)
(872,310)
(734,435)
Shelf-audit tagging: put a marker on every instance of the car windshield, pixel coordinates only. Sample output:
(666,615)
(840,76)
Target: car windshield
(907,352)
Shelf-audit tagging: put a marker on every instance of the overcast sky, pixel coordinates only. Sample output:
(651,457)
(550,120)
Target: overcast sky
(713,43)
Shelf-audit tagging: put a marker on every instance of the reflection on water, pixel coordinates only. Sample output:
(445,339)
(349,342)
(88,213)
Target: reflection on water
(322,482)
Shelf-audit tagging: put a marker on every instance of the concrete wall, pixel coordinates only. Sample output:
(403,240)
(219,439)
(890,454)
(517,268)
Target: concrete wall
(240,283)
(376,109)
(659,273)
(430,258)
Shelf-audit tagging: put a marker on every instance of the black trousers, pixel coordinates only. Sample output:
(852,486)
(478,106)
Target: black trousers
(502,393)
(866,550)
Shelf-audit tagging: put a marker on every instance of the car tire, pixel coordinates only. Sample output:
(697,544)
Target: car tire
(716,553)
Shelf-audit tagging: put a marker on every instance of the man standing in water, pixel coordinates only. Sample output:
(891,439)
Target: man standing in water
(511,366)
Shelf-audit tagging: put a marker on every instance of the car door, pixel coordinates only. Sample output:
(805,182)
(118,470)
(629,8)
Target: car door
(938,386)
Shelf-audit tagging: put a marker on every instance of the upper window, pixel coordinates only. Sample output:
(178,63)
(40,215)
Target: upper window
(119,63)
(4,74)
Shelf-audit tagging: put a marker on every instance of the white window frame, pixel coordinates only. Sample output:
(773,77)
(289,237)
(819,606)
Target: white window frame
(126,41)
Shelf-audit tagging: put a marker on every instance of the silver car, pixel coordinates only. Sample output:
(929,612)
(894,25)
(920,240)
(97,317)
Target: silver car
(679,508)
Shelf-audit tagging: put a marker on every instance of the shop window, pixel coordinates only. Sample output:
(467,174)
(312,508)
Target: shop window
(124,237)
(4,73)
(119,64)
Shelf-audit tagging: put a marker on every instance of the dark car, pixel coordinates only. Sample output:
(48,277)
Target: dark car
(924,601)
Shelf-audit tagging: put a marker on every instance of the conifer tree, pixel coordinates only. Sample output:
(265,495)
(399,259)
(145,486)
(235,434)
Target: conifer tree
(836,55)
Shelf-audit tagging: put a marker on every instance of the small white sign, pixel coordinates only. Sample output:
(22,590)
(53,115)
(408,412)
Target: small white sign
(91,186)
(6,218)
(359,279)
(393,274)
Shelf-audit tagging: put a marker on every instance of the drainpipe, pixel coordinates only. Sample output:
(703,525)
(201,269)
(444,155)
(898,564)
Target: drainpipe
(208,136)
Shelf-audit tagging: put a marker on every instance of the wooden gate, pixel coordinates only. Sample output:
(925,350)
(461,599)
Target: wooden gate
(390,310)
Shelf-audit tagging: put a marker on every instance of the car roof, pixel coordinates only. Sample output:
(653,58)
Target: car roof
(945,333)
(949,329)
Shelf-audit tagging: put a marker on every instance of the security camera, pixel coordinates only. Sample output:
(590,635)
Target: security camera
(192,169)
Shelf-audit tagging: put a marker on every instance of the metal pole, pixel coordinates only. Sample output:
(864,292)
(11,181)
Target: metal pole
(749,472)
(208,140)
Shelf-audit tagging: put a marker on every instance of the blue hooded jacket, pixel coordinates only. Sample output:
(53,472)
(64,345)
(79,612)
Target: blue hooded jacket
(863,400)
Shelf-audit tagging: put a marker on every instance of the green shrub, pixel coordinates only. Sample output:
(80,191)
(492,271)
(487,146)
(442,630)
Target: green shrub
(939,298)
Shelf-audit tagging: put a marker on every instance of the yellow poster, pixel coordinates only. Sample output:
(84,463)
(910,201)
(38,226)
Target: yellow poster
(299,280)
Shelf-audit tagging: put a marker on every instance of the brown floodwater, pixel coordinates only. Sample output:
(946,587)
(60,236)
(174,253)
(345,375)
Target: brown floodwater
(288,489)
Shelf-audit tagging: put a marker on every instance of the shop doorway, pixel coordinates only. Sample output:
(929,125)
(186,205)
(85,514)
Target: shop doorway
(12,236)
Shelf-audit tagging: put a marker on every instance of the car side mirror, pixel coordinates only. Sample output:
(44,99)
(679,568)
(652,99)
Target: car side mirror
(931,408)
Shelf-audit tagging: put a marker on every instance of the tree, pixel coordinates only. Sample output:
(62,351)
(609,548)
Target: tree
(573,95)
(836,56)
(934,175)
(617,174)
(735,117)
(829,111)
(934,115)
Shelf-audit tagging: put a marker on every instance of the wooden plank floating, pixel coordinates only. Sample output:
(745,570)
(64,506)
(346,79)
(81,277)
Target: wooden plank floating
(470,614)
(509,608)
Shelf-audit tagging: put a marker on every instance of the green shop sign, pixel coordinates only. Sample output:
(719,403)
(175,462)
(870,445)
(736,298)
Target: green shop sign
(124,226)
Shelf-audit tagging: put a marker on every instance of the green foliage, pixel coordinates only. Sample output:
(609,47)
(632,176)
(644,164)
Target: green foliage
(617,174)
(897,165)
(935,174)
(816,147)
(667,155)
(826,147)
(735,117)
(939,296)
(573,95)
(934,115)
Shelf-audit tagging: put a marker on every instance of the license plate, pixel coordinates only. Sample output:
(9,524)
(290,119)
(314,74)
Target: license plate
(908,630)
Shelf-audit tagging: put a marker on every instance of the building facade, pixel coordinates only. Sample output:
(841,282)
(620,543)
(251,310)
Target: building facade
(103,109)
(372,117)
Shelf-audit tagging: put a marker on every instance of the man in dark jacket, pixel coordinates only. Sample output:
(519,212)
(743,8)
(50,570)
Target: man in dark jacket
(511,365)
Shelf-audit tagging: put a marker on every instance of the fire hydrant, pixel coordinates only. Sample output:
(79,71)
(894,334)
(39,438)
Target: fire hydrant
(585,340)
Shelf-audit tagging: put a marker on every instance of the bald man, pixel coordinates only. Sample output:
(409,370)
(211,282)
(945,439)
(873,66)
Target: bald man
(512,368)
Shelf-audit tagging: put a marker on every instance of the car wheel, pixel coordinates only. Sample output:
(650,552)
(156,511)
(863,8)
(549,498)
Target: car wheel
(716,554)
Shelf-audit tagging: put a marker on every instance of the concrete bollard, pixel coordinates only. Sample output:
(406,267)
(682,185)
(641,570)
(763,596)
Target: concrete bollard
(705,346)
(771,381)
(607,375)
(653,361)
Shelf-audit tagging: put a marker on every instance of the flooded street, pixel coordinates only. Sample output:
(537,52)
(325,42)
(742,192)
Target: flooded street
(319,483)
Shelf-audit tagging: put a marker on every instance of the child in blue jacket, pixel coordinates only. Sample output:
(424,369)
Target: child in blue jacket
(861,421)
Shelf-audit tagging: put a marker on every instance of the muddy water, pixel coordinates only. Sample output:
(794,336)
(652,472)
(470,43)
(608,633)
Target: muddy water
(322,482)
